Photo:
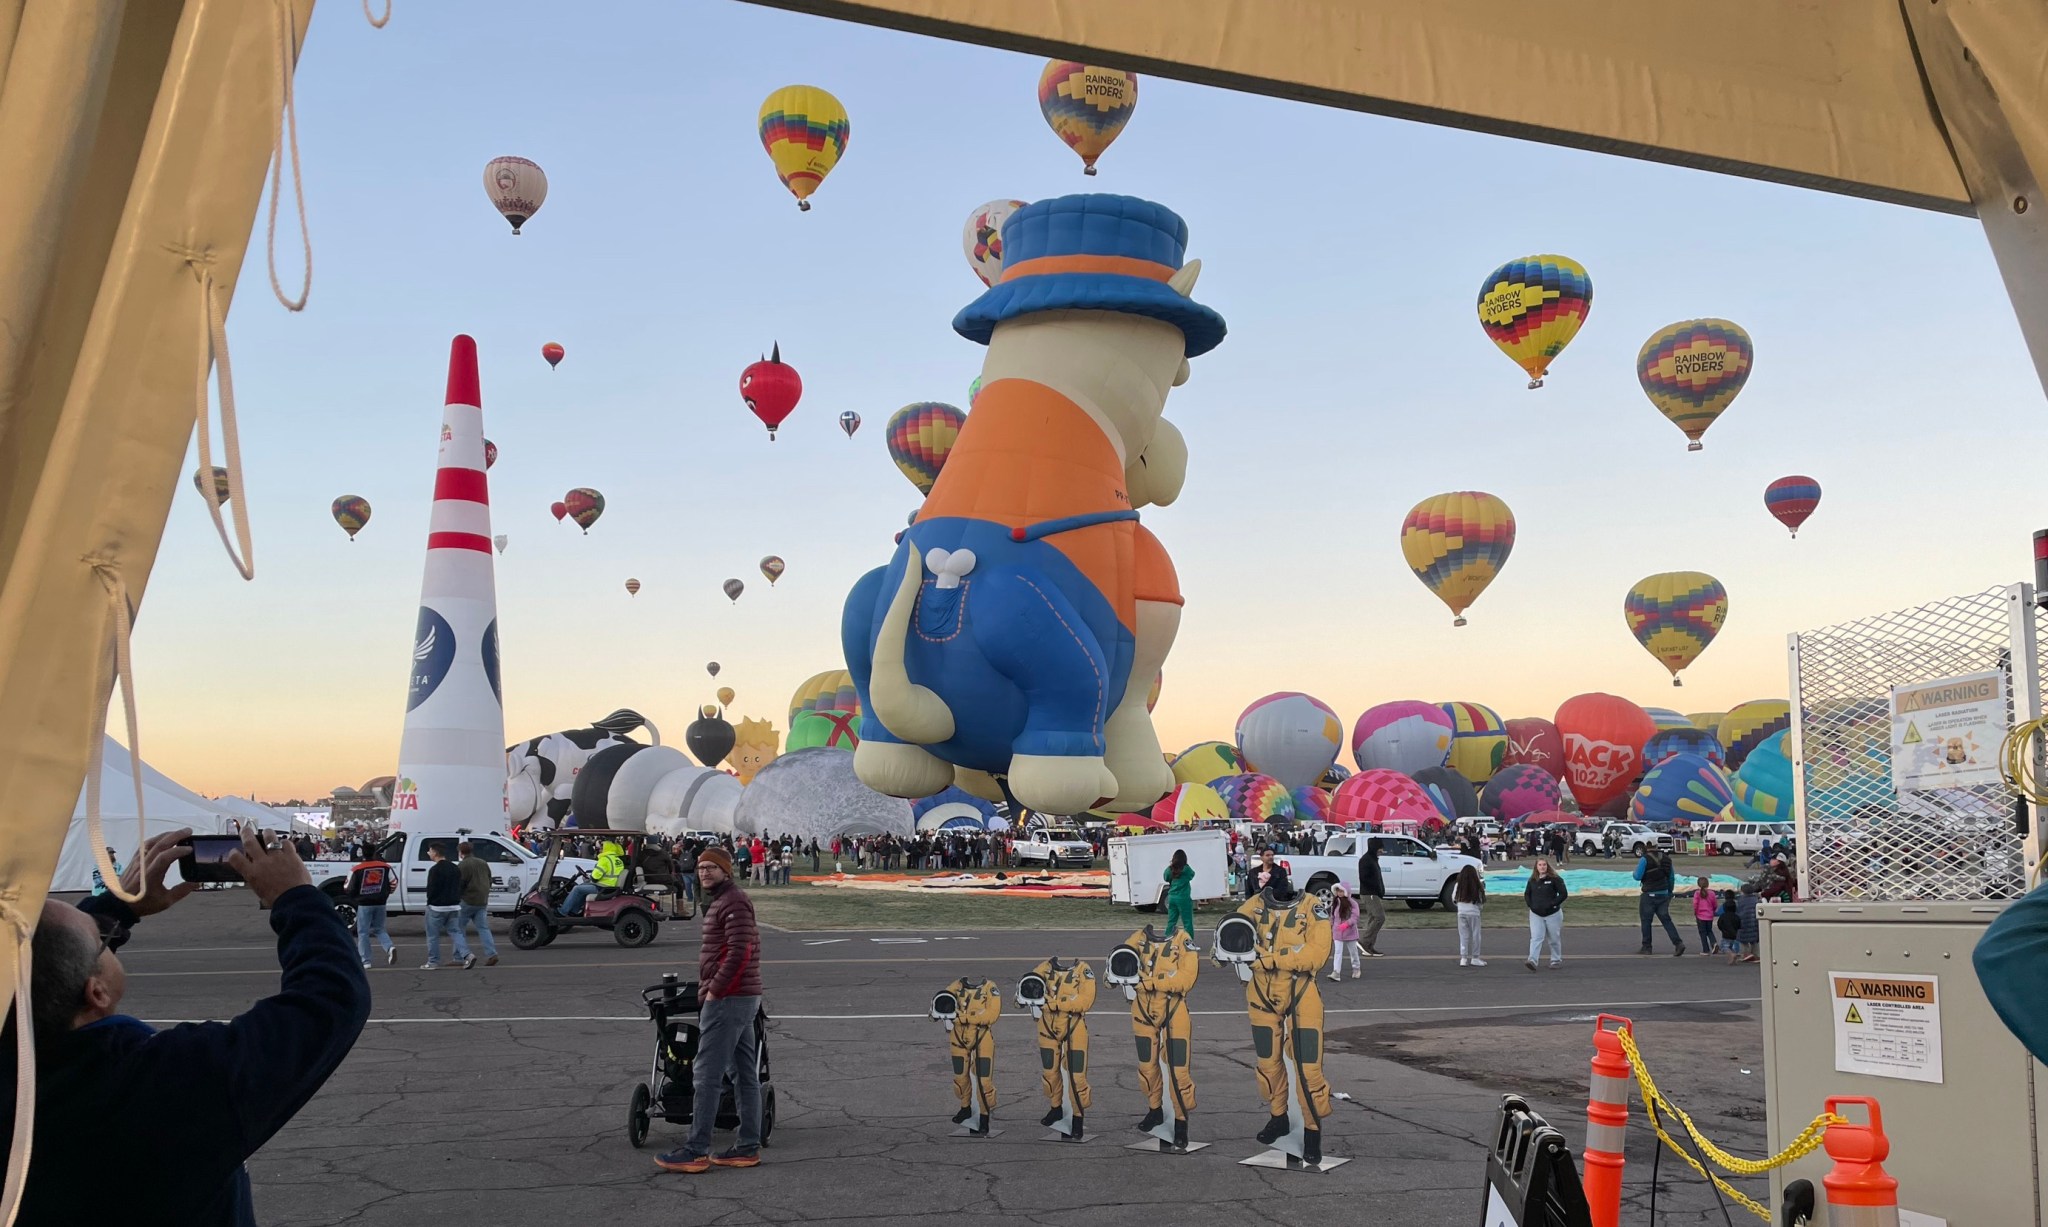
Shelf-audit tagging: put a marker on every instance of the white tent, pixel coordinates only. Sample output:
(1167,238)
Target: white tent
(250,813)
(166,804)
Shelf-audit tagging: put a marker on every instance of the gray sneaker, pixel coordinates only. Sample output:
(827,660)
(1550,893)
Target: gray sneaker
(391,956)
(468,961)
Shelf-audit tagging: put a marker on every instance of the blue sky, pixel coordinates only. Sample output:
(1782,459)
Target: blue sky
(1345,251)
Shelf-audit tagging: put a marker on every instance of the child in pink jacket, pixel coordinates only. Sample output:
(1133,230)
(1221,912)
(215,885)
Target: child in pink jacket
(1344,935)
(1705,906)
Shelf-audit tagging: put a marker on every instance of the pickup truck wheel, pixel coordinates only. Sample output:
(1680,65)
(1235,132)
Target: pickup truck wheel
(1448,895)
(632,928)
(1420,905)
(346,911)
(530,932)
(1635,849)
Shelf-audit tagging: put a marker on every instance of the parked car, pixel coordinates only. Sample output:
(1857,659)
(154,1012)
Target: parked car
(1631,837)
(1054,846)
(1414,872)
(1729,838)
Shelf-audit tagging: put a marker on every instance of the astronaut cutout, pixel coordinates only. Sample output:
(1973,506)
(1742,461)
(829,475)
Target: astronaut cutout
(1278,944)
(969,1007)
(1059,998)
(1156,975)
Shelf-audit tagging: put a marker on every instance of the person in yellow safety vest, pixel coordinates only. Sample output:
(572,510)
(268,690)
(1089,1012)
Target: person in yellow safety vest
(969,1007)
(1286,1007)
(611,868)
(1063,1034)
(1159,1018)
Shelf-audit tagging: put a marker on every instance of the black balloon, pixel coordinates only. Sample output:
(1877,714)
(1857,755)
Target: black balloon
(1456,789)
(710,739)
(593,785)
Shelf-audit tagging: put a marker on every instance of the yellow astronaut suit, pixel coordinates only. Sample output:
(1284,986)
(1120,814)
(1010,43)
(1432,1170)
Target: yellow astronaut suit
(1063,1030)
(1159,1017)
(1285,1006)
(969,1007)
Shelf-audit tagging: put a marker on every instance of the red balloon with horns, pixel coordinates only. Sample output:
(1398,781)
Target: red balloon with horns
(771,388)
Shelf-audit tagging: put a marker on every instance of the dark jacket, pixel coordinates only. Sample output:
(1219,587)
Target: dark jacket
(2010,959)
(1654,872)
(1752,931)
(444,885)
(476,881)
(370,884)
(729,960)
(1545,896)
(1371,883)
(184,1107)
(1261,879)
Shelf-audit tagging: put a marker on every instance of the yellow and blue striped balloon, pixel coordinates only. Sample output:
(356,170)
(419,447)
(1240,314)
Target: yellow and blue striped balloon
(1533,307)
(804,130)
(1086,106)
(1675,615)
(1693,371)
(1456,543)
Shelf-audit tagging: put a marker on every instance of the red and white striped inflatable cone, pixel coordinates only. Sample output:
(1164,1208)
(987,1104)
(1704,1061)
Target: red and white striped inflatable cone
(451,759)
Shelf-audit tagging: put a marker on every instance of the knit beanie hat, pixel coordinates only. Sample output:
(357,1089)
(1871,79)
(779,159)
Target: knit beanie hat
(717,856)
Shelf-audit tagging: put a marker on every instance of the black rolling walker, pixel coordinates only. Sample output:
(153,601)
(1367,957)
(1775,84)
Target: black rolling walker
(670,1089)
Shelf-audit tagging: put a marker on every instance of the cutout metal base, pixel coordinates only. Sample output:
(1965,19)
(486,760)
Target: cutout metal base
(1057,1136)
(1155,1146)
(964,1132)
(1284,1161)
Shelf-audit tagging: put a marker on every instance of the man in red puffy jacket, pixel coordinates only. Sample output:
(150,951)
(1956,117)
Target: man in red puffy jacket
(729,994)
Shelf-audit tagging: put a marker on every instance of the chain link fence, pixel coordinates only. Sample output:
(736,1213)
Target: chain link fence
(1860,838)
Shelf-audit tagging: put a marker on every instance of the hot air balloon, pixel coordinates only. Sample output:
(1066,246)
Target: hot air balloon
(351,511)
(973,391)
(554,353)
(1791,500)
(1206,761)
(920,438)
(1763,788)
(1747,725)
(517,188)
(1675,615)
(1533,307)
(1518,790)
(1479,740)
(1378,797)
(982,238)
(709,737)
(771,388)
(1252,797)
(1456,543)
(632,587)
(490,453)
(1451,793)
(1682,788)
(1086,106)
(733,588)
(1152,695)
(1533,741)
(1689,740)
(1311,804)
(1708,720)
(804,130)
(830,691)
(1406,735)
(832,730)
(558,510)
(712,668)
(584,505)
(1189,804)
(1603,747)
(500,541)
(1290,736)
(725,695)
(1665,718)
(1692,371)
(772,567)
(849,422)
(220,483)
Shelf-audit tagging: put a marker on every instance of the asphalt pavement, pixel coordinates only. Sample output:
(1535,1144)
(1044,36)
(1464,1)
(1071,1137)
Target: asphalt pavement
(500,1094)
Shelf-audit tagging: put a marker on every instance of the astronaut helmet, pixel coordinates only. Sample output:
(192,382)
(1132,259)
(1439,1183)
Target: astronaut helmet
(945,1006)
(1031,991)
(1237,939)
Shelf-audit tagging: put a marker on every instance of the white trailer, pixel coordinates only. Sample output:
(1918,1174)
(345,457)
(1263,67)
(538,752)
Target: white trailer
(1137,866)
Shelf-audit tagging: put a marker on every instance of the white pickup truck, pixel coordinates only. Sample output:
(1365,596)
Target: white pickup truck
(1054,846)
(513,868)
(1631,837)
(1412,870)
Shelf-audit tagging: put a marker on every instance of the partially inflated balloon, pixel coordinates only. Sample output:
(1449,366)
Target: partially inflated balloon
(220,483)
(1252,797)
(982,238)
(1533,307)
(1451,793)
(832,690)
(1290,736)
(1683,788)
(1708,720)
(920,438)
(1379,797)
(583,505)
(1518,790)
(1689,740)
(1206,761)
(1086,106)
(554,353)
(1763,788)
(804,130)
(1692,372)
(1479,740)
(1533,741)
(1603,747)
(772,567)
(1665,718)
(1792,499)
(558,510)
(1747,725)
(1675,615)
(1406,735)
(733,588)
(632,587)
(771,389)
(490,453)
(516,187)
(833,730)
(726,694)
(351,511)
(1456,543)
(1189,804)
(1311,804)
(849,422)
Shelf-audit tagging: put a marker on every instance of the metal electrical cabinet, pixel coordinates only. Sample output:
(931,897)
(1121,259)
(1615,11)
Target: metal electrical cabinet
(1966,1150)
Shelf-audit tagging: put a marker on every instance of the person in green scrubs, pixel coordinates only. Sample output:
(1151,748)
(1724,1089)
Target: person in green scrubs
(1180,894)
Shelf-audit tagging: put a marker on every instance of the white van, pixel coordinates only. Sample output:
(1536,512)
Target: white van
(1728,838)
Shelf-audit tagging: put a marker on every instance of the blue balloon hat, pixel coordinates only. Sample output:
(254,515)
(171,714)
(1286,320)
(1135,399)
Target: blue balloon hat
(1093,253)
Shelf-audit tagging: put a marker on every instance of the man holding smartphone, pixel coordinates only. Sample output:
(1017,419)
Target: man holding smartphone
(185,1107)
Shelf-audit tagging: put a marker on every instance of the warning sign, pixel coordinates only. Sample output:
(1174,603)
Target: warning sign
(1888,1026)
(1947,734)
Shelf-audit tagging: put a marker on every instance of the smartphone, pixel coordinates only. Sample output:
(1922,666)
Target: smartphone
(206,858)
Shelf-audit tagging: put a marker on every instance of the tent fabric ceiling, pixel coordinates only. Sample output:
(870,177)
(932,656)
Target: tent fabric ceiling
(1818,93)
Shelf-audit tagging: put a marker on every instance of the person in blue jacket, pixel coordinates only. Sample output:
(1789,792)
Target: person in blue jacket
(137,1125)
(2012,965)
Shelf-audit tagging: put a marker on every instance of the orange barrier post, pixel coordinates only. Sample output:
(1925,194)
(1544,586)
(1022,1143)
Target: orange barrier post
(1607,1120)
(1860,1193)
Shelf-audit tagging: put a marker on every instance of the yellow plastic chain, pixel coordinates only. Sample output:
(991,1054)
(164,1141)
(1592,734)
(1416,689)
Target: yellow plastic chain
(2016,768)
(1808,1141)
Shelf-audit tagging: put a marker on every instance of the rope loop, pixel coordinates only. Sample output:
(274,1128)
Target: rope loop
(213,337)
(376,21)
(286,136)
(22,1143)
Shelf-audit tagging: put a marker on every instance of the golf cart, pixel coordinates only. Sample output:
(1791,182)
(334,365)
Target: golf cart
(631,911)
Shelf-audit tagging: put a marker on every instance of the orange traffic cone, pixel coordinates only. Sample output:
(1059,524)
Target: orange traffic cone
(1607,1120)
(1859,1192)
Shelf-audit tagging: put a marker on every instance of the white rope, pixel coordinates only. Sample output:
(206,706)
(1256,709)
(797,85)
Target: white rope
(287,134)
(378,22)
(124,675)
(214,351)
(23,1141)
